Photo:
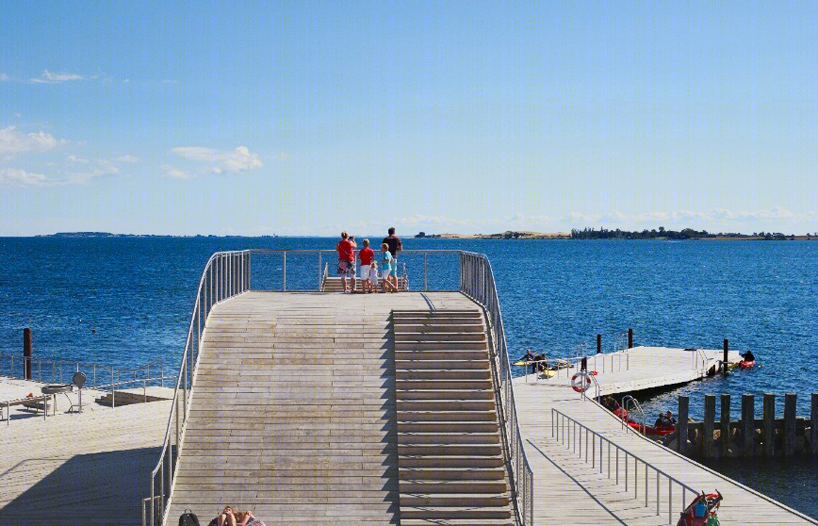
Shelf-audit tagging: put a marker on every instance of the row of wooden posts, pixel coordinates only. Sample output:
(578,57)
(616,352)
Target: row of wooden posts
(768,436)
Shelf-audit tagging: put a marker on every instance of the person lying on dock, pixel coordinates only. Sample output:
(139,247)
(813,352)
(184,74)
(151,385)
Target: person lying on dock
(665,420)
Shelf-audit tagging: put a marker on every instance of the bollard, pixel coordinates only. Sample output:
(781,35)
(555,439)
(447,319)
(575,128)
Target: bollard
(748,424)
(725,424)
(598,343)
(27,353)
(707,445)
(769,424)
(630,338)
(789,423)
(684,403)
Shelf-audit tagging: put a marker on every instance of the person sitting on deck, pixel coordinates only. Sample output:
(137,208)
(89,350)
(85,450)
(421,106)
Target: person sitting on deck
(748,356)
(665,420)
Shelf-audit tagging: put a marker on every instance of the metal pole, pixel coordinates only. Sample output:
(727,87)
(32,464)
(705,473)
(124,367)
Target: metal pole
(284,285)
(320,273)
(425,273)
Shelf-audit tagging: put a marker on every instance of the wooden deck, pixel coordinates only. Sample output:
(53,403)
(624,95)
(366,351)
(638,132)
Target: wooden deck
(569,491)
(93,467)
(293,409)
(90,468)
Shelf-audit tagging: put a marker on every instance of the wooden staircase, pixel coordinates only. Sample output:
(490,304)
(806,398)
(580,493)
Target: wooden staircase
(333,284)
(449,447)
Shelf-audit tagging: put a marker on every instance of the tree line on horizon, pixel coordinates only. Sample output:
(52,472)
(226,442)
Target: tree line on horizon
(661,233)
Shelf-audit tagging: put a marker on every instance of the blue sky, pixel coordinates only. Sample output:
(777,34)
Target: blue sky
(305,118)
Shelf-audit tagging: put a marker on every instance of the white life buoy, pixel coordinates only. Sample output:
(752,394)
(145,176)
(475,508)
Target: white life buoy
(580,382)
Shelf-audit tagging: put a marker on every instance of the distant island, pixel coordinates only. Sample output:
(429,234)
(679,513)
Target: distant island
(603,233)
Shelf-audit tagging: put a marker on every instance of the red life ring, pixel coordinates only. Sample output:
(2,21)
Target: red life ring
(580,382)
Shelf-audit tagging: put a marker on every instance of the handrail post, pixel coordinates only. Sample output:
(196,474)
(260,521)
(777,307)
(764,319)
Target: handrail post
(284,277)
(320,273)
(425,273)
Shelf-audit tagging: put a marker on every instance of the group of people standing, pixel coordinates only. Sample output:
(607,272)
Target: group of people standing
(387,261)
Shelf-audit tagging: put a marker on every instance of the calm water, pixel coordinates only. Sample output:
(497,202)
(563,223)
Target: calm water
(137,294)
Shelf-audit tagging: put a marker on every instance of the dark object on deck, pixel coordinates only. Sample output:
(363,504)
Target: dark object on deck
(630,338)
(188,518)
(598,343)
(126,398)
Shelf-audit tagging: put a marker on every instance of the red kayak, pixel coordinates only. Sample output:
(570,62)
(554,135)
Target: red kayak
(744,364)
(650,430)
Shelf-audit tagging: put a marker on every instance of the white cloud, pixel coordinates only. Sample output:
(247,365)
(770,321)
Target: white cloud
(17,176)
(75,159)
(13,142)
(126,159)
(4,77)
(169,81)
(174,172)
(232,161)
(55,78)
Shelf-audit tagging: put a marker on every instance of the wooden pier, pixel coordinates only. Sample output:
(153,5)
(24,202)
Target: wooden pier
(315,437)
(586,496)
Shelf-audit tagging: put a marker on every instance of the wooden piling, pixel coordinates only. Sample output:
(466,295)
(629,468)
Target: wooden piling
(789,423)
(725,361)
(598,343)
(707,445)
(684,403)
(630,338)
(769,424)
(814,417)
(725,424)
(748,427)
(27,353)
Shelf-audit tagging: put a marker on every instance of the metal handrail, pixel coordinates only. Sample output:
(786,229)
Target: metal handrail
(568,430)
(110,372)
(635,413)
(477,282)
(225,275)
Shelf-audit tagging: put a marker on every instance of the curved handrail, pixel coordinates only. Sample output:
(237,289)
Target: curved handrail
(477,282)
(225,275)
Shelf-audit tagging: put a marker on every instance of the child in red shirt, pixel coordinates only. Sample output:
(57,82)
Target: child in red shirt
(366,255)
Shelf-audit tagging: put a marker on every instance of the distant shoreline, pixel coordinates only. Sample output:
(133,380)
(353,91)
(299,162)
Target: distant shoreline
(684,235)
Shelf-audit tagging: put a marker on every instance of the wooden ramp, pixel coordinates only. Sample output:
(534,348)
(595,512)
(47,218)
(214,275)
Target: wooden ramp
(293,409)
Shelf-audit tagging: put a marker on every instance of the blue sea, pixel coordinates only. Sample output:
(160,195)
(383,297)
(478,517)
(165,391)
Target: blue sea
(126,301)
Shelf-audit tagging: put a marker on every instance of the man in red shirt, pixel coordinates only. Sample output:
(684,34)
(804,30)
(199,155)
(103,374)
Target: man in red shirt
(346,260)
(366,255)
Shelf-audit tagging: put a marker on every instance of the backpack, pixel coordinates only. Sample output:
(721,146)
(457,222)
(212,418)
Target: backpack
(188,518)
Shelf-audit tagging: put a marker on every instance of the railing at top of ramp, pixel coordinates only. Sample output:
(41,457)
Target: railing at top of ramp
(229,274)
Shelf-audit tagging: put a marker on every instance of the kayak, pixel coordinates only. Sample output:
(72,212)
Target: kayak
(744,364)
(650,430)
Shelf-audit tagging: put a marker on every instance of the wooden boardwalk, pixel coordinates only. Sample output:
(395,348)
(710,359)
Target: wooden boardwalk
(569,491)
(332,363)
(90,468)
